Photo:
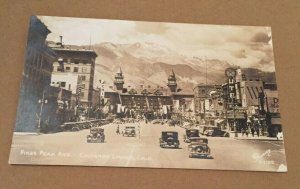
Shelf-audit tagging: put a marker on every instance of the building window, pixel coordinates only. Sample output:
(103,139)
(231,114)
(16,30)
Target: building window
(83,86)
(84,69)
(62,84)
(83,78)
(75,69)
(68,69)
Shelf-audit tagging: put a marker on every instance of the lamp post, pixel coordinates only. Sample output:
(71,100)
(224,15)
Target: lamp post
(42,102)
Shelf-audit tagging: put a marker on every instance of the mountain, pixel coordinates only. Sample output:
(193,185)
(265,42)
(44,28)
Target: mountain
(150,64)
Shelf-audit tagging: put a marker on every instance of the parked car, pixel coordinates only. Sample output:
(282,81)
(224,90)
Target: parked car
(203,128)
(190,133)
(172,123)
(216,133)
(70,126)
(129,131)
(199,148)
(96,135)
(156,121)
(169,139)
(187,125)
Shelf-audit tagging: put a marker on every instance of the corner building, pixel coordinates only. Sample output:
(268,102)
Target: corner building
(77,62)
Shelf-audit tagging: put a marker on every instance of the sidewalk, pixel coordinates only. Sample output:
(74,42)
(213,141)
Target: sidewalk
(250,137)
(25,133)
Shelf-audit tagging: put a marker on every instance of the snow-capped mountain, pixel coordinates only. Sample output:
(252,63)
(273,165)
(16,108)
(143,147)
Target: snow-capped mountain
(150,64)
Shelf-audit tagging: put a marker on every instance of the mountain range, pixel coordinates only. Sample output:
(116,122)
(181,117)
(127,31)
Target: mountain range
(150,64)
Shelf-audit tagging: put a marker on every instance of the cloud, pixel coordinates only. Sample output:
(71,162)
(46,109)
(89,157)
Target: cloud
(244,46)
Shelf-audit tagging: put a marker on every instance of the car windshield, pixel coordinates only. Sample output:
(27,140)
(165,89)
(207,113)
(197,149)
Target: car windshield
(192,133)
(129,127)
(169,134)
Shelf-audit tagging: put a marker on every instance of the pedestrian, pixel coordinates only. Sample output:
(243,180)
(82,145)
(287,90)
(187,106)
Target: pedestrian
(262,131)
(252,131)
(243,131)
(257,131)
(247,132)
(118,130)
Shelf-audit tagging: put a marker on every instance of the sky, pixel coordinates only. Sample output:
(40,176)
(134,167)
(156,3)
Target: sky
(244,46)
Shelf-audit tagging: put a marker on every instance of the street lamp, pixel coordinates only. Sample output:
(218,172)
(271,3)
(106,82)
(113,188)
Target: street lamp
(42,102)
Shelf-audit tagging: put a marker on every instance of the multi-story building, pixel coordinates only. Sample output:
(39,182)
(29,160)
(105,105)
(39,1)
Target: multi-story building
(204,101)
(77,61)
(36,78)
(250,92)
(160,102)
(271,106)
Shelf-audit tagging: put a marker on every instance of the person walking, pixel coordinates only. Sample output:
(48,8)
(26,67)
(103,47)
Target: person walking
(118,130)
(247,131)
(257,131)
(243,131)
(252,131)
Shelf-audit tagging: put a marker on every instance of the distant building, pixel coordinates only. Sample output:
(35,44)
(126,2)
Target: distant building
(271,106)
(36,78)
(250,92)
(119,81)
(159,102)
(204,101)
(76,61)
(172,84)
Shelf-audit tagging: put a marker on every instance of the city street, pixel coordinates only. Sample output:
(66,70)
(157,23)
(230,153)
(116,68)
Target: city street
(71,148)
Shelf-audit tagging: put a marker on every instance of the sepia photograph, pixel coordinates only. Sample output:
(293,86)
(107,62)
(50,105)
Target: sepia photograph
(121,93)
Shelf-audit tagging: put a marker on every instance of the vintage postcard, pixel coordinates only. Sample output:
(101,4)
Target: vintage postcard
(148,94)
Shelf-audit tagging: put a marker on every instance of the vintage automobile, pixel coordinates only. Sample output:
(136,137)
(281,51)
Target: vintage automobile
(169,139)
(129,131)
(172,123)
(96,135)
(199,148)
(156,121)
(190,133)
(216,133)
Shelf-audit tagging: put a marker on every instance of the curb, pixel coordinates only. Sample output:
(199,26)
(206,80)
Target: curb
(257,139)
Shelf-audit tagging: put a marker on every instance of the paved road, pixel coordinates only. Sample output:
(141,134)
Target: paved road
(70,148)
